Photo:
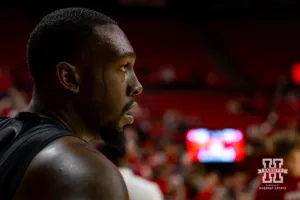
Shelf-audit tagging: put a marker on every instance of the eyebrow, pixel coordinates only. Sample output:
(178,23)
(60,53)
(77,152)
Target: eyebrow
(127,54)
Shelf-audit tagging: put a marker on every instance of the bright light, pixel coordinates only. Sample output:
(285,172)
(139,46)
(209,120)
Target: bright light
(295,73)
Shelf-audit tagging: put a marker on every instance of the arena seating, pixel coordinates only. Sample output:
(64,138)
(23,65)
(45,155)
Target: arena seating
(264,49)
(164,43)
(210,108)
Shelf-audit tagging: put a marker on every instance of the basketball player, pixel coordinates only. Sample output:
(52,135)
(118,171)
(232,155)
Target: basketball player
(82,66)
(288,149)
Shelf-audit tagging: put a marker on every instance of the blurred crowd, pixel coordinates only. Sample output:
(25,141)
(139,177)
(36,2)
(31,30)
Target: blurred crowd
(164,160)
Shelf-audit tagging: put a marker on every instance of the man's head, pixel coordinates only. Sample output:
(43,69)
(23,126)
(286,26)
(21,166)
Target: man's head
(85,60)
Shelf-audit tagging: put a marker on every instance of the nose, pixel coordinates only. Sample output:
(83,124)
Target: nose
(136,87)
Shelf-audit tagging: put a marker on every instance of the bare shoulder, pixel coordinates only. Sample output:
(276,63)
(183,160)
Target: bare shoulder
(69,169)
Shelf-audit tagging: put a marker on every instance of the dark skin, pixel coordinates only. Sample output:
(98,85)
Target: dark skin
(86,100)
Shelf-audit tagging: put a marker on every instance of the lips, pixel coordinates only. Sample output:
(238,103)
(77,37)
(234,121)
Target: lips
(129,118)
(131,107)
(128,114)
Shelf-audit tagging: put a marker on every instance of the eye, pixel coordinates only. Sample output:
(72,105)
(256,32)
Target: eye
(125,67)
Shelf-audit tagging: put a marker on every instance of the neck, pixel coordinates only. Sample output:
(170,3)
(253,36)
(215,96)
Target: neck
(63,112)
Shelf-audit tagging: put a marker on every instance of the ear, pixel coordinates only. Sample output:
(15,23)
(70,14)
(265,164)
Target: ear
(68,76)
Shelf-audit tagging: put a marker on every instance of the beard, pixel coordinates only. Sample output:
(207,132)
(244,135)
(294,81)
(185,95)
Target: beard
(114,144)
(113,141)
(114,147)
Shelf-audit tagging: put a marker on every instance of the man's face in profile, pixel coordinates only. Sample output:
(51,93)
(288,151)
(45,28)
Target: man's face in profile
(110,85)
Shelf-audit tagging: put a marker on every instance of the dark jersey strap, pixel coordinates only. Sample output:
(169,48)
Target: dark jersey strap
(32,137)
